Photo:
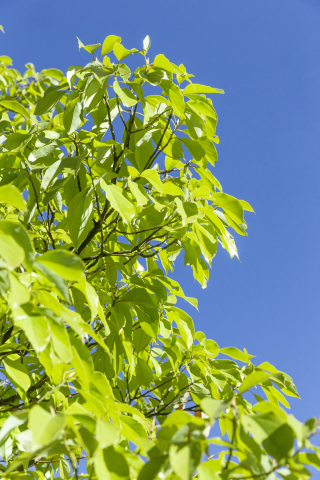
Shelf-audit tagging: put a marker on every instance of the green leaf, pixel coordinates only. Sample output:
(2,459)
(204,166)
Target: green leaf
(138,192)
(310,459)
(169,188)
(207,471)
(236,353)
(19,294)
(120,51)
(20,237)
(175,96)
(55,279)
(80,215)
(128,99)
(111,464)
(53,72)
(203,108)
(254,378)
(15,107)
(108,43)
(246,206)
(44,427)
(64,263)
(18,374)
(153,177)
(196,88)
(107,433)
(17,141)
(143,373)
(36,328)
(194,147)
(82,362)
(213,407)
(188,211)
(162,62)
(88,48)
(185,325)
(48,102)
(71,116)
(60,340)
(11,195)
(12,422)
(12,253)
(272,432)
(230,204)
(119,202)
(151,469)
(184,460)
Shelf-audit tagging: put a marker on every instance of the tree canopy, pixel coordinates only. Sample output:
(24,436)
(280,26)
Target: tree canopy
(105,178)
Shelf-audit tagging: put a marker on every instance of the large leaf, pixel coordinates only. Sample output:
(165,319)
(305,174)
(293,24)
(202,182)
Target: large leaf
(49,101)
(14,107)
(119,202)
(64,263)
(255,378)
(12,195)
(128,99)
(18,374)
(80,215)
(108,43)
(71,116)
(19,235)
(44,426)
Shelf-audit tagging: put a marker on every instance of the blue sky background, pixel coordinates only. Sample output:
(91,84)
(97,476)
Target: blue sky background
(265,55)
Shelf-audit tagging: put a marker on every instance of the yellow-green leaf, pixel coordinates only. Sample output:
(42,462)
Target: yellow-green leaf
(15,107)
(108,43)
(12,195)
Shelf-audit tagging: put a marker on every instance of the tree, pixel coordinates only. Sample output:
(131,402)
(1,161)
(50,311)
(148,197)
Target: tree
(105,180)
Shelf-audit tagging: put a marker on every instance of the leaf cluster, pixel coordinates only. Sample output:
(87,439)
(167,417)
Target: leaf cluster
(105,178)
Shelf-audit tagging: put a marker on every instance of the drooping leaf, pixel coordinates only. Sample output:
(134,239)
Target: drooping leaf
(80,214)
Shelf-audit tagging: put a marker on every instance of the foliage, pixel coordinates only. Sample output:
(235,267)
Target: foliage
(105,180)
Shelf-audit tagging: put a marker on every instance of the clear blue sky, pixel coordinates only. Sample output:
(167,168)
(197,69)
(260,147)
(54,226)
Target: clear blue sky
(265,54)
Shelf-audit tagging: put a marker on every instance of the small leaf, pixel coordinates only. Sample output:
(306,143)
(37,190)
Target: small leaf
(236,353)
(246,206)
(108,43)
(89,48)
(196,88)
(146,44)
